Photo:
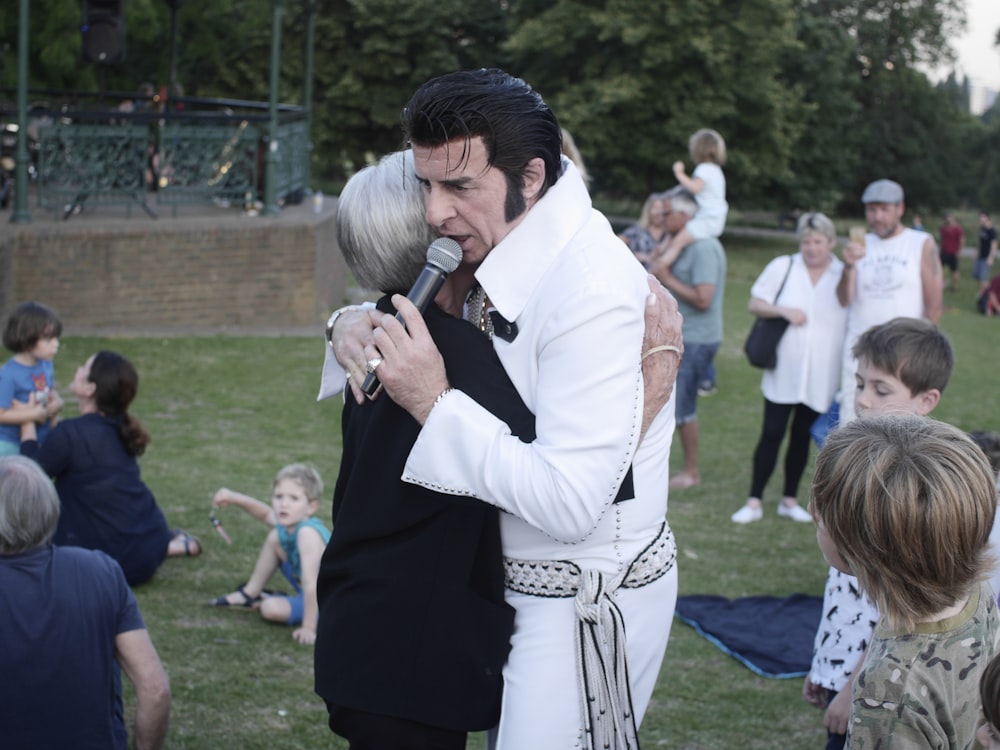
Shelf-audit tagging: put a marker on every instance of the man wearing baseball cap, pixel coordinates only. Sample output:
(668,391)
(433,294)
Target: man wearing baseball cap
(895,273)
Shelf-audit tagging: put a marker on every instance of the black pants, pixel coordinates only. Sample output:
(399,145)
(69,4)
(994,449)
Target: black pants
(365,731)
(766,455)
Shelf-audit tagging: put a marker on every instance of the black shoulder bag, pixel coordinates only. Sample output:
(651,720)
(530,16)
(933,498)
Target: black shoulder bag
(761,346)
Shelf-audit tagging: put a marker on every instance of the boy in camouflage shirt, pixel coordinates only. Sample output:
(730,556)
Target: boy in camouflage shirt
(905,504)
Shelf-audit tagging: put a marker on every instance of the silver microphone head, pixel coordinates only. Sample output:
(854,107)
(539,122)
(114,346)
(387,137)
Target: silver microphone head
(445,253)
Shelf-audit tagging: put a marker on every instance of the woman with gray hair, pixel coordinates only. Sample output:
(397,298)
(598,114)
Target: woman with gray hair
(411,585)
(802,288)
(70,621)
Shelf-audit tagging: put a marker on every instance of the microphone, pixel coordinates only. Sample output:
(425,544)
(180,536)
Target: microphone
(443,257)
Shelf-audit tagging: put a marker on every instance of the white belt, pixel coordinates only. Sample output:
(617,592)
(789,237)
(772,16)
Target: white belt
(602,669)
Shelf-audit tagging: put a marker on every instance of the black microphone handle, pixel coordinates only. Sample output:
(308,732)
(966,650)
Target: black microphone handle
(424,290)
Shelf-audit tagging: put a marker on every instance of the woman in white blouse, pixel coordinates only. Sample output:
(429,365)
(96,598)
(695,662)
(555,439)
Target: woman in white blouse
(807,376)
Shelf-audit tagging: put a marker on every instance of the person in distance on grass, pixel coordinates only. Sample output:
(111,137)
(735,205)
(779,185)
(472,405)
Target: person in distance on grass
(905,504)
(903,368)
(952,242)
(801,288)
(294,545)
(70,622)
(93,461)
(987,252)
(895,272)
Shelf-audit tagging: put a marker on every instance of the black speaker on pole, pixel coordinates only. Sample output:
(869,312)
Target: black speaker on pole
(104,31)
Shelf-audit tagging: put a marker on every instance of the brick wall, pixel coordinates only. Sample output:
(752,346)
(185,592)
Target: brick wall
(191,274)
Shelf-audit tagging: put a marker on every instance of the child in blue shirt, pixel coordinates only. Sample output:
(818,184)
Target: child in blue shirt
(32,334)
(295,544)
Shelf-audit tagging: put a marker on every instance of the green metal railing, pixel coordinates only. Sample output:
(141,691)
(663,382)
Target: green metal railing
(93,164)
(209,151)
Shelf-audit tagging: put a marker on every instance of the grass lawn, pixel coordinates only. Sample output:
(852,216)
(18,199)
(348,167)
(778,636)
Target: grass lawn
(231,411)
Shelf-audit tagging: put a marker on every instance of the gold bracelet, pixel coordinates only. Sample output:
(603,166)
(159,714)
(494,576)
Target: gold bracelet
(441,395)
(664,348)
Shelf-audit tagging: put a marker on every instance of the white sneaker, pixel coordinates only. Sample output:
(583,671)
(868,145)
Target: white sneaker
(747,514)
(795,512)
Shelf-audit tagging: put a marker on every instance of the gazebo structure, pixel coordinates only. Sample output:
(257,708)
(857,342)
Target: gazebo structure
(151,151)
(203,166)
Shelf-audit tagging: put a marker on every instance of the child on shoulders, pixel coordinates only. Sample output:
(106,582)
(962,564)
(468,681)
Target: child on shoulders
(708,186)
(294,545)
(905,504)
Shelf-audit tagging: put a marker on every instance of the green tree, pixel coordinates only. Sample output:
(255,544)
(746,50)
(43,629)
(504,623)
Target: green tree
(826,156)
(371,56)
(55,57)
(632,79)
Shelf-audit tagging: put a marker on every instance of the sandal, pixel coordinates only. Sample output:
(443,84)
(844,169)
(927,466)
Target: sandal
(192,544)
(248,601)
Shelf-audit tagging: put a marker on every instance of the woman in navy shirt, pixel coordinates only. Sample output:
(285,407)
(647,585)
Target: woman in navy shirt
(92,459)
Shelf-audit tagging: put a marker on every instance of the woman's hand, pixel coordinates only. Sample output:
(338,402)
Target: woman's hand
(54,404)
(410,367)
(351,333)
(28,411)
(659,369)
(794,315)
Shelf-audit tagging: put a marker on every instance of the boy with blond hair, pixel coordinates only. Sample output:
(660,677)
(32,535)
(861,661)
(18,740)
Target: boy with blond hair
(294,545)
(903,367)
(905,504)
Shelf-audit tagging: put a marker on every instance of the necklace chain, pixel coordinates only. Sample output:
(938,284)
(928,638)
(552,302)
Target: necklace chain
(478,311)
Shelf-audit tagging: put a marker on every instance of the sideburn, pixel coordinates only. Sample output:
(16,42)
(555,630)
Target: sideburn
(514,204)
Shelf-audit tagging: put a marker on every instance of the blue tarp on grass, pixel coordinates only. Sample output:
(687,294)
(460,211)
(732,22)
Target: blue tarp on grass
(772,636)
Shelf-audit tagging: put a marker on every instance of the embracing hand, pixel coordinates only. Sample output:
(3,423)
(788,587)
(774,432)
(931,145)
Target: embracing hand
(351,333)
(659,361)
(407,361)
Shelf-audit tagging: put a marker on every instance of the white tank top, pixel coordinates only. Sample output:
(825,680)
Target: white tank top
(888,282)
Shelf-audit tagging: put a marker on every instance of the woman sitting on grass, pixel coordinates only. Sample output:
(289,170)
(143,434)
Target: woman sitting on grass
(92,459)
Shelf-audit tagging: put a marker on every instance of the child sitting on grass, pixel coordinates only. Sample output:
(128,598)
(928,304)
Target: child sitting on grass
(905,504)
(295,544)
(903,367)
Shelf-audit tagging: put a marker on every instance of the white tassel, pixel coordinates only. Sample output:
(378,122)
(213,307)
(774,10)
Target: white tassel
(600,640)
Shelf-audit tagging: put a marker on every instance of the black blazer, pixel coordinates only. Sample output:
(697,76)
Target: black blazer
(412,618)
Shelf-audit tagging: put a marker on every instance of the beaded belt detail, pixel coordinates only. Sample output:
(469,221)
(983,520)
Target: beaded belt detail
(560,579)
(602,667)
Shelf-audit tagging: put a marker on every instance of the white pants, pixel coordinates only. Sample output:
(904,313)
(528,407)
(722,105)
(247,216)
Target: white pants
(541,697)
